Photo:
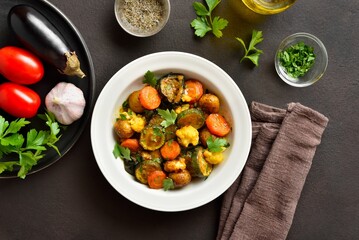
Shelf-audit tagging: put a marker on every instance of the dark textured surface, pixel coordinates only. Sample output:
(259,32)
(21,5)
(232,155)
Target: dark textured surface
(72,200)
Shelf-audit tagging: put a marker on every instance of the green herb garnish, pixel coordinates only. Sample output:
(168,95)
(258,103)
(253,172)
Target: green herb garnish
(217,144)
(204,21)
(122,152)
(26,152)
(297,59)
(168,116)
(168,184)
(252,53)
(150,78)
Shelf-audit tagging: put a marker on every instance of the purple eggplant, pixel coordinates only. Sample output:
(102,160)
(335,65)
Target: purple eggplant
(41,37)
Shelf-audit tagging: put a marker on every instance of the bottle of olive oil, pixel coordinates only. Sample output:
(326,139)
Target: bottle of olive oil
(268,6)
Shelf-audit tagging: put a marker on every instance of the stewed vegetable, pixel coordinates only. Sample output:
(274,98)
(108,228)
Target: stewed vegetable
(181,135)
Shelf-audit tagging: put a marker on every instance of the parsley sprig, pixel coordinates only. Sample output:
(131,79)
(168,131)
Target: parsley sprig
(252,53)
(150,78)
(122,152)
(168,184)
(205,22)
(25,152)
(168,116)
(216,144)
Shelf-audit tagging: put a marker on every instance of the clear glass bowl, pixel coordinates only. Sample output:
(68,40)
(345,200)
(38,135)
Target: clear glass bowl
(317,70)
(124,22)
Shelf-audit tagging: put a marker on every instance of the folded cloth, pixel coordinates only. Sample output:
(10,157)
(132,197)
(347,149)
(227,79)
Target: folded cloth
(261,203)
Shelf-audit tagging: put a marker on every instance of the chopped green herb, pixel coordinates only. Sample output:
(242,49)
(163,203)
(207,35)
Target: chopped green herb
(157,132)
(150,78)
(125,104)
(297,59)
(216,145)
(123,116)
(252,53)
(204,22)
(168,184)
(168,116)
(121,152)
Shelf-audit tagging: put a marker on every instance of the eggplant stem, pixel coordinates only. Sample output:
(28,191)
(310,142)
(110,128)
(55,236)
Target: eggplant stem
(72,65)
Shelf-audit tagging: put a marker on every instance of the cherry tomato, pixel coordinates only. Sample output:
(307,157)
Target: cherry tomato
(20,66)
(18,100)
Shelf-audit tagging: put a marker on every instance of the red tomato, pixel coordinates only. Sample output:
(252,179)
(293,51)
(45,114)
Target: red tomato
(20,66)
(18,100)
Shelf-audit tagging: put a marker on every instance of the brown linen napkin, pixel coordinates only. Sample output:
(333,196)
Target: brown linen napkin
(261,202)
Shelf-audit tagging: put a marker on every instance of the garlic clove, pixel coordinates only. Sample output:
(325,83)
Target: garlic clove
(66,102)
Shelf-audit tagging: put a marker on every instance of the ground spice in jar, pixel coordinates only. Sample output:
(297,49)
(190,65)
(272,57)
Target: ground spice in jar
(142,14)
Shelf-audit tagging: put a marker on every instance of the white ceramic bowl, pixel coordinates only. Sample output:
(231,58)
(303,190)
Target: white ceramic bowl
(129,79)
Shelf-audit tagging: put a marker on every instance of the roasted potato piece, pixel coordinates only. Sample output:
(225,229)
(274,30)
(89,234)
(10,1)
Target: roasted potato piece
(209,103)
(181,178)
(123,128)
(134,102)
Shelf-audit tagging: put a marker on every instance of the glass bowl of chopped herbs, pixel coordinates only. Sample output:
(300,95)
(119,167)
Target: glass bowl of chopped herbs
(301,59)
(142,18)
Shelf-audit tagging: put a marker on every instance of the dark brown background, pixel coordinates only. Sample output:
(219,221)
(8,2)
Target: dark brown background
(72,200)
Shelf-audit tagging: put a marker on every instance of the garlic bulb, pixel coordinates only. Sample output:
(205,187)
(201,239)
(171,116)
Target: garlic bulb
(66,102)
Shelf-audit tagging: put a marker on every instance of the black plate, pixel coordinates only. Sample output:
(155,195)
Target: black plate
(72,133)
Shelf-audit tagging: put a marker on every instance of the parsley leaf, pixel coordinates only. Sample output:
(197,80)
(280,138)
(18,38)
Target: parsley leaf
(252,53)
(7,166)
(201,27)
(168,184)
(121,152)
(150,78)
(168,116)
(217,144)
(29,150)
(204,23)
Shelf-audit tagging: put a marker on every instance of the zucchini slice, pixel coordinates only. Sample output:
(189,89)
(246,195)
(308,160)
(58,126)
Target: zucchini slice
(155,120)
(193,116)
(171,86)
(152,138)
(170,131)
(144,169)
(199,167)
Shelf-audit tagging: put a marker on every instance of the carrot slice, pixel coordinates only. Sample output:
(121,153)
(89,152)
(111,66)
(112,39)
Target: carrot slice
(217,125)
(170,150)
(193,91)
(155,179)
(132,144)
(149,98)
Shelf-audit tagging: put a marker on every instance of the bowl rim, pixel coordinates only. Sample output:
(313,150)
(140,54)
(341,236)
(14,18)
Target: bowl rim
(145,34)
(281,73)
(191,196)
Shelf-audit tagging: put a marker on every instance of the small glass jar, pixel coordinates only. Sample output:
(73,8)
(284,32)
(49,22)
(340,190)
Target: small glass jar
(268,7)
